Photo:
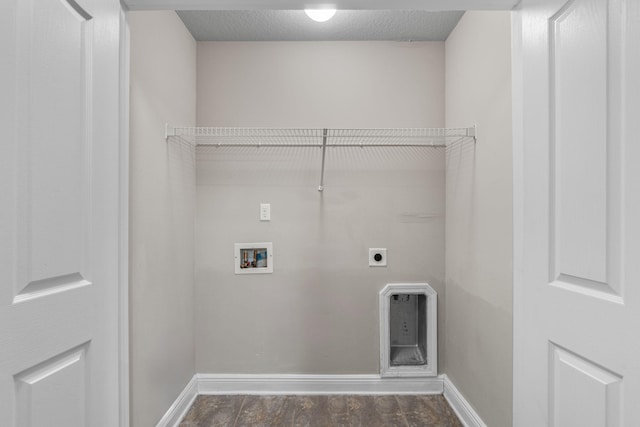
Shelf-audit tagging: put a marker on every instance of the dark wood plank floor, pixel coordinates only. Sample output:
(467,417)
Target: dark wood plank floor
(321,411)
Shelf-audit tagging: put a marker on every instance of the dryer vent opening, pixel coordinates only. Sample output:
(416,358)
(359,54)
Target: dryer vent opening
(408,330)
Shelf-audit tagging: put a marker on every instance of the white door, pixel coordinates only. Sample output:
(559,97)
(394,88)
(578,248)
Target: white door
(577,216)
(59,212)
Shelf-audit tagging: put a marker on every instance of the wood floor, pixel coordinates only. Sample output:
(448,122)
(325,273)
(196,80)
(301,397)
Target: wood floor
(321,411)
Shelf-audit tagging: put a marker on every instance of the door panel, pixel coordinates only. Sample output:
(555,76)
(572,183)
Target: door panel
(59,216)
(577,294)
(582,393)
(579,78)
(54,45)
(585,222)
(64,375)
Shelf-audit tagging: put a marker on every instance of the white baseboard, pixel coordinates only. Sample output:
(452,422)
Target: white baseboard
(210,384)
(316,384)
(179,408)
(461,407)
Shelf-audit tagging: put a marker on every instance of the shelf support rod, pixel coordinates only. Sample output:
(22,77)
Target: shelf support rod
(324,152)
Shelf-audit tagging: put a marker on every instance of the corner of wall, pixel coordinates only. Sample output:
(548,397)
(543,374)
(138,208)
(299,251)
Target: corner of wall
(479,204)
(162,209)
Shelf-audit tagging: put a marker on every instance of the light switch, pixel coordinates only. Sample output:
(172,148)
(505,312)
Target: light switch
(265,212)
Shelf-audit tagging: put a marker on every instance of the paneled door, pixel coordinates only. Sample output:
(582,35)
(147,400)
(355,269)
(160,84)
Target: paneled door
(577,217)
(59,212)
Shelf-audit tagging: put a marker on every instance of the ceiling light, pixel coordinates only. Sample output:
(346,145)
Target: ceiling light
(320,15)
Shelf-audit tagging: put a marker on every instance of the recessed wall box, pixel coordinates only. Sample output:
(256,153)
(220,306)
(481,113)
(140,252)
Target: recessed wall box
(408,330)
(253,258)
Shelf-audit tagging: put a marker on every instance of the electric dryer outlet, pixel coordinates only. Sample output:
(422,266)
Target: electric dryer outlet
(377,257)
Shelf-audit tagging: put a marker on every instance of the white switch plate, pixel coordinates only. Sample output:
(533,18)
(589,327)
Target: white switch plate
(265,212)
(372,257)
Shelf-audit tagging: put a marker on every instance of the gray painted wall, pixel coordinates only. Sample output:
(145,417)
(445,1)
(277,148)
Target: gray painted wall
(162,201)
(318,312)
(479,216)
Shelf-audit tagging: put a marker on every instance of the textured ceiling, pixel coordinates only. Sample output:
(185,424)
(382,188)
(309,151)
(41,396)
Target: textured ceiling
(294,25)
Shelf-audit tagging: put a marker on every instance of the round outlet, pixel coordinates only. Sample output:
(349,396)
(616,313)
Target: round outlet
(377,257)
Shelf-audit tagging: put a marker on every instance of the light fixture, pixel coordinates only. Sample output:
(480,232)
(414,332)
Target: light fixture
(320,15)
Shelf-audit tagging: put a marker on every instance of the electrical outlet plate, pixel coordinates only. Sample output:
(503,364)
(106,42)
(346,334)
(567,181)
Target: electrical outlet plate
(265,211)
(382,259)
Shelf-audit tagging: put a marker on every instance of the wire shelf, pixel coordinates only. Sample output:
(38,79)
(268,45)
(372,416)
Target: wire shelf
(282,137)
(321,138)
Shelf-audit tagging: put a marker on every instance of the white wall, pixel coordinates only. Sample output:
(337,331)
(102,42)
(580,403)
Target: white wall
(320,84)
(318,312)
(479,216)
(162,200)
